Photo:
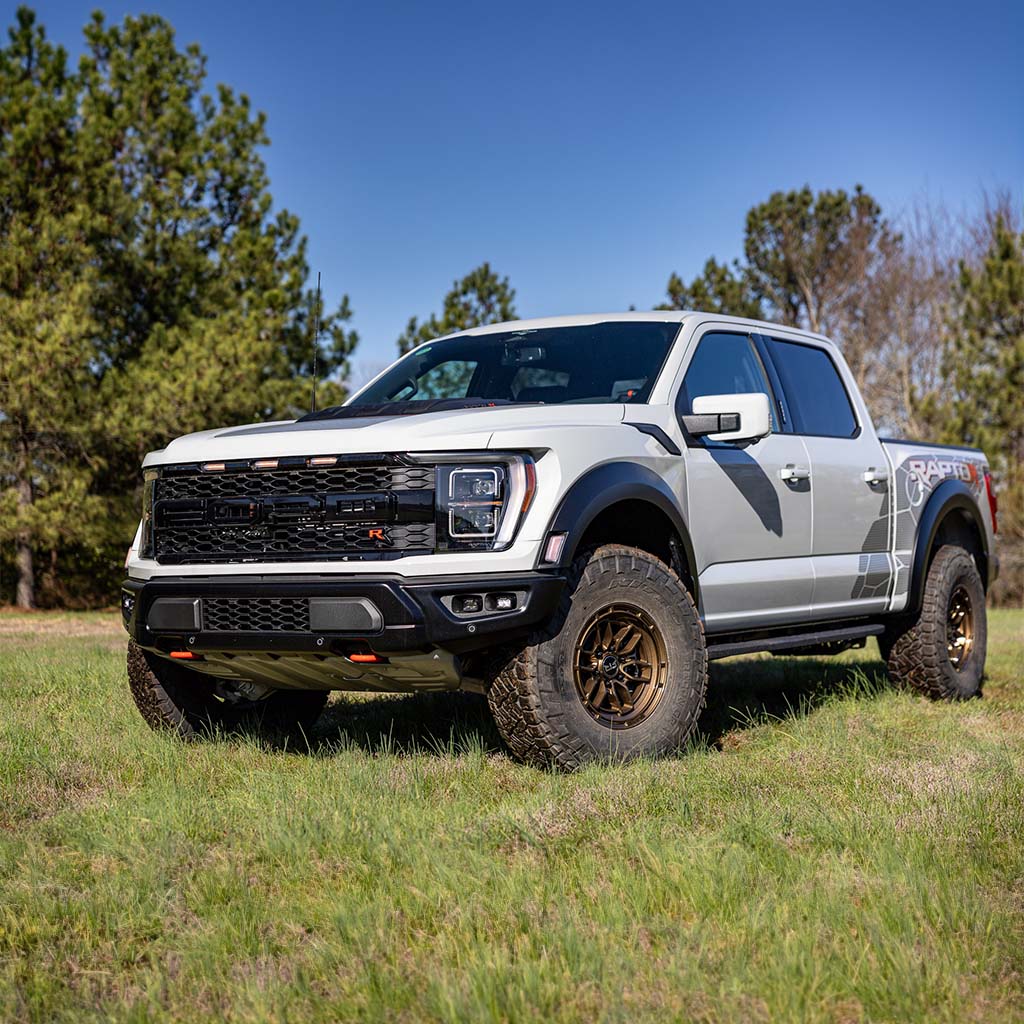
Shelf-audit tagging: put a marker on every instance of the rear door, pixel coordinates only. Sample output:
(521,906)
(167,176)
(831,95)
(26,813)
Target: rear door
(849,479)
(749,505)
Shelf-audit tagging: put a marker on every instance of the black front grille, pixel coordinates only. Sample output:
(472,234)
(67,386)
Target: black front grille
(256,614)
(180,545)
(293,513)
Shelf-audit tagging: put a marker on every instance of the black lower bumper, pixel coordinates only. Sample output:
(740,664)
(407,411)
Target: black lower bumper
(382,613)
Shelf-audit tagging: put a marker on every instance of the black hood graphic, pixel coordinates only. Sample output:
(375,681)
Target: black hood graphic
(412,408)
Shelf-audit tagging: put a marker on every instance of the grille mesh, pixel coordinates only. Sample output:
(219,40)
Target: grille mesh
(337,479)
(176,545)
(256,614)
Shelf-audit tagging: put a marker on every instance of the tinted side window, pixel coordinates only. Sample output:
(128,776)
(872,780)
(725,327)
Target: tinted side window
(814,390)
(724,364)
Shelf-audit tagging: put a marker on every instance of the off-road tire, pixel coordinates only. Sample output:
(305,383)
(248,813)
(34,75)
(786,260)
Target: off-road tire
(173,698)
(533,695)
(916,650)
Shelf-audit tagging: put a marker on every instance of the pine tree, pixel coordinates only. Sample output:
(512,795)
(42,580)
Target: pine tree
(48,282)
(984,366)
(149,287)
(481,297)
(719,288)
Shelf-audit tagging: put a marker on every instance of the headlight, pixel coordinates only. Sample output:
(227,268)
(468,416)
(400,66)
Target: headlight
(480,504)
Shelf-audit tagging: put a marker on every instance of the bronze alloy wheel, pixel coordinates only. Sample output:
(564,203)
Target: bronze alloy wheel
(959,627)
(620,665)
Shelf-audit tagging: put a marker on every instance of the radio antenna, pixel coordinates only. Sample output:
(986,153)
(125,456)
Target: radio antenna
(316,341)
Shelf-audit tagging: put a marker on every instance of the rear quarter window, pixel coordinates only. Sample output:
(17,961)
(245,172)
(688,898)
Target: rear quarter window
(814,390)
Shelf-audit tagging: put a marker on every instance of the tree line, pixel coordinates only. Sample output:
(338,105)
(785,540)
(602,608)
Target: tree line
(149,287)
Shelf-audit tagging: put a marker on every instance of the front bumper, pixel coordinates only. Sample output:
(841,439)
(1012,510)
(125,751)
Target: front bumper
(382,614)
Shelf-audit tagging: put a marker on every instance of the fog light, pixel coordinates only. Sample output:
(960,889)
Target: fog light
(501,602)
(467,604)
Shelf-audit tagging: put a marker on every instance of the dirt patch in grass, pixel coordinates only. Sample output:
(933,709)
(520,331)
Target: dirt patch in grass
(927,780)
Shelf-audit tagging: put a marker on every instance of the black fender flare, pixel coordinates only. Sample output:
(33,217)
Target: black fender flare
(949,497)
(607,485)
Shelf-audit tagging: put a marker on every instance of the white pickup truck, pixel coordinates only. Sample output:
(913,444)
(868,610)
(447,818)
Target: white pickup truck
(569,515)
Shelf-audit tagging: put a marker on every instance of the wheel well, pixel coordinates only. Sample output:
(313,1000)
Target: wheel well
(641,525)
(959,529)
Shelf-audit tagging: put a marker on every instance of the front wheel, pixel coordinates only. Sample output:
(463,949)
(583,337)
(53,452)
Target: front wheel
(173,698)
(941,653)
(621,673)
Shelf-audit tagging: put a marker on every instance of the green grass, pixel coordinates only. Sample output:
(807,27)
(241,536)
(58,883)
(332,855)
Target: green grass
(830,850)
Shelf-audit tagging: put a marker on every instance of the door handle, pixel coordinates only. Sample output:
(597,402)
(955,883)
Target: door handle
(874,476)
(792,472)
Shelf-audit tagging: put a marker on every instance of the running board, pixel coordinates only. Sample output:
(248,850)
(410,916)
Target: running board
(792,641)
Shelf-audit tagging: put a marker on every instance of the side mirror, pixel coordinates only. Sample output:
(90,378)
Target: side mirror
(730,417)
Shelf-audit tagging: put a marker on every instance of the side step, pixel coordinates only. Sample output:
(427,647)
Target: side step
(792,641)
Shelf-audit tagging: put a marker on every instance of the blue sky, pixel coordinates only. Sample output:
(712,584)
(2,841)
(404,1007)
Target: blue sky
(589,150)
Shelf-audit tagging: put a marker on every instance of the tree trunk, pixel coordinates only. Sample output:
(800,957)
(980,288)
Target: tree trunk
(25,594)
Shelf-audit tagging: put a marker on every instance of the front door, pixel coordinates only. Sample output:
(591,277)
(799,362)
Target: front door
(748,504)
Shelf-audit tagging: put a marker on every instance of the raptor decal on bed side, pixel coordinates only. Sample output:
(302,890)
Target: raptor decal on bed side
(917,474)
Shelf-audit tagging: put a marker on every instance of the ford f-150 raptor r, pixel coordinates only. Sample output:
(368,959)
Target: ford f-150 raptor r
(569,515)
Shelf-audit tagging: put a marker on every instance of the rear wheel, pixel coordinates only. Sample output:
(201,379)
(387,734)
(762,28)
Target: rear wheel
(192,704)
(621,673)
(941,653)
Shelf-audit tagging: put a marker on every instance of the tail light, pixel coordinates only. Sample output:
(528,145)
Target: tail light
(993,501)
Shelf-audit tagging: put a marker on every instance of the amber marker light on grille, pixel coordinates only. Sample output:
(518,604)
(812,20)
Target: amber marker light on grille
(213,467)
(265,464)
(183,655)
(324,460)
(366,659)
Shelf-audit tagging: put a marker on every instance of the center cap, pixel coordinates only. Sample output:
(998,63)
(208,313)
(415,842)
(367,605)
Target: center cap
(609,664)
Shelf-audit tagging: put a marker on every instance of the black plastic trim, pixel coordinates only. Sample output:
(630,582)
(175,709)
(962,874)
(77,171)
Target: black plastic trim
(948,497)
(412,615)
(782,410)
(698,424)
(659,435)
(607,485)
(789,641)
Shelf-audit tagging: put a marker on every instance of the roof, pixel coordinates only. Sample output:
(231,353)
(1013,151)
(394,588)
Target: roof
(651,316)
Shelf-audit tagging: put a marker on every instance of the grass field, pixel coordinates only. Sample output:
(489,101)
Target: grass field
(830,850)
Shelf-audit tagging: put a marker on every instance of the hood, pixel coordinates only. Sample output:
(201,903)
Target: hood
(451,430)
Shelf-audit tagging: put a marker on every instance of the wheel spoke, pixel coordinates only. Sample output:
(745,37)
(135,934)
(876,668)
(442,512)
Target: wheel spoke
(623,696)
(620,635)
(606,635)
(631,644)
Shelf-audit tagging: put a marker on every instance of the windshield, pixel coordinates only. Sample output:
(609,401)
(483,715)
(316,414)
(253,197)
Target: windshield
(597,363)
